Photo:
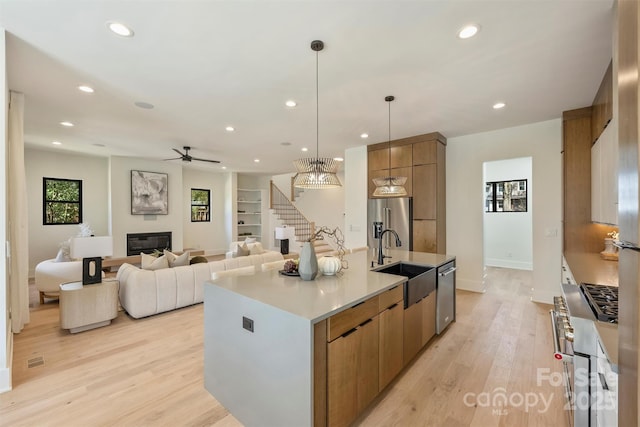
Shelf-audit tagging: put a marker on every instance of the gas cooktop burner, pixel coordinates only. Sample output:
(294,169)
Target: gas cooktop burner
(603,300)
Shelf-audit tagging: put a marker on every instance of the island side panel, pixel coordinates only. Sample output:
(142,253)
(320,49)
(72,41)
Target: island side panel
(263,377)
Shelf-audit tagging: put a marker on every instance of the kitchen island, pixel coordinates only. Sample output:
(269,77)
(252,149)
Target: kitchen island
(274,345)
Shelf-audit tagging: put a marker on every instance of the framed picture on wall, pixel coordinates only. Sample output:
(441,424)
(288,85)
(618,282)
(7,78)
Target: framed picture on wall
(149,193)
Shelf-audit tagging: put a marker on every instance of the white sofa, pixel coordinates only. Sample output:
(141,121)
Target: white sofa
(147,292)
(255,248)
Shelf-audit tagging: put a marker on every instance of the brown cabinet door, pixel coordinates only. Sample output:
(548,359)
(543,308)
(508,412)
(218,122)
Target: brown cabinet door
(342,385)
(428,317)
(391,361)
(378,159)
(424,236)
(424,191)
(425,152)
(368,363)
(412,336)
(401,156)
(406,172)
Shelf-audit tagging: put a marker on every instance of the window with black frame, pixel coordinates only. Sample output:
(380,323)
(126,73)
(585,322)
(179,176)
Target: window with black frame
(506,196)
(200,205)
(62,201)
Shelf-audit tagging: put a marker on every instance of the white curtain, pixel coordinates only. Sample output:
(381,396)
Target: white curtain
(18,264)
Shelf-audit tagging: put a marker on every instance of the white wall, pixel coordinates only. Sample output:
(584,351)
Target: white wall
(355,200)
(6,337)
(44,240)
(508,238)
(210,236)
(122,222)
(465,156)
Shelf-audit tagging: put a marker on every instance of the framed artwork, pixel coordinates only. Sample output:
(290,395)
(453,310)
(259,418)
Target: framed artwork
(200,205)
(505,196)
(149,193)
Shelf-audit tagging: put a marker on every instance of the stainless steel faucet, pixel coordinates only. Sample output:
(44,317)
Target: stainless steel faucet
(378,235)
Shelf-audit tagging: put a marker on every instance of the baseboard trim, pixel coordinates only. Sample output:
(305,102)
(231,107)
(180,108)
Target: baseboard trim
(470,285)
(5,380)
(505,263)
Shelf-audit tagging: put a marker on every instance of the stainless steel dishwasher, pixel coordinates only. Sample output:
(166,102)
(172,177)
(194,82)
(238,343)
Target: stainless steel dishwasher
(446,296)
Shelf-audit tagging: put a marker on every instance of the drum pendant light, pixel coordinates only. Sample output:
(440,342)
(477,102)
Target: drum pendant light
(390,186)
(318,172)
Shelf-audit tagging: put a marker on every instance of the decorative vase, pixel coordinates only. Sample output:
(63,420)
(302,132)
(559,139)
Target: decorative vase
(308,264)
(329,265)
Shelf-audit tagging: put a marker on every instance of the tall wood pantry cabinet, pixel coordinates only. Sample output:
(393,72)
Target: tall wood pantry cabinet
(422,159)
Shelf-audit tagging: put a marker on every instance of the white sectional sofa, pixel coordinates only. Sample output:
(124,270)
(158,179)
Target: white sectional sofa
(147,292)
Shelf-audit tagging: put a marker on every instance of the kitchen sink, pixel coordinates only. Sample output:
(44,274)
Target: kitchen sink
(422,280)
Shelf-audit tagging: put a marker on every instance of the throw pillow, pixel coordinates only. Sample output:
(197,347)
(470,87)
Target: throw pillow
(256,248)
(149,262)
(198,259)
(241,251)
(250,240)
(175,260)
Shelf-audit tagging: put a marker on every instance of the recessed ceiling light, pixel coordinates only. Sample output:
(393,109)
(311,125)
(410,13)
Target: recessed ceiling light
(56,142)
(229,128)
(256,160)
(364,135)
(145,105)
(304,149)
(338,159)
(85,89)
(66,124)
(120,29)
(224,167)
(290,103)
(468,31)
(286,144)
(499,105)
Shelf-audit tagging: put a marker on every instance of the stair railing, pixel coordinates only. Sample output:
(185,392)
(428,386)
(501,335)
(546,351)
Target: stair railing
(289,214)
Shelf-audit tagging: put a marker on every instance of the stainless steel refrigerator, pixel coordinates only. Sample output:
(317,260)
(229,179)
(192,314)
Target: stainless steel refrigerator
(394,213)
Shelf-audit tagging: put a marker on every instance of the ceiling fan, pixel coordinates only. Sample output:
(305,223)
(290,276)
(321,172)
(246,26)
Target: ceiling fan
(186,157)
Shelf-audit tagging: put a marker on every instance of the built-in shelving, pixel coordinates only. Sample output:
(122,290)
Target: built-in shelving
(249,213)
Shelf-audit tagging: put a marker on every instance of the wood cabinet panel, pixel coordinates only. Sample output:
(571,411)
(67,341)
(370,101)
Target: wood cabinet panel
(368,363)
(412,336)
(390,297)
(342,384)
(428,317)
(378,159)
(425,152)
(424,190)
(350,318)
(602,110)
(425,236)
(391,343)
(401,156)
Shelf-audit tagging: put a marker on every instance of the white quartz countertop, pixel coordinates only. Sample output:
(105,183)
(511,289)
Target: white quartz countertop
(318,299)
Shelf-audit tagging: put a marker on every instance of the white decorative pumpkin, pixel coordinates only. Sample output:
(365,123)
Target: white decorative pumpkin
(329,265)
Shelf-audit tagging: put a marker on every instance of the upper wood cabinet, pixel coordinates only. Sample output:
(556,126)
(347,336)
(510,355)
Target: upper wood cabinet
(604,178)
(422,159)
(602,108)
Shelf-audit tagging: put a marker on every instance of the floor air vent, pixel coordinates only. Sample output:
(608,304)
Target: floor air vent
(36,361)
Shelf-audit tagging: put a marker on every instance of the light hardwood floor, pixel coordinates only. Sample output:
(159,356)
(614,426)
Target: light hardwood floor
(149,372)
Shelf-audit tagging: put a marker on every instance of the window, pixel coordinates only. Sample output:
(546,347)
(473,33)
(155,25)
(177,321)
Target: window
(506,196)
(200,204)
(62,201)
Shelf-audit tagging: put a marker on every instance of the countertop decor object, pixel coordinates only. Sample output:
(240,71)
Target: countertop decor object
(316,172)
(308,264)
(329,265)
(390,186)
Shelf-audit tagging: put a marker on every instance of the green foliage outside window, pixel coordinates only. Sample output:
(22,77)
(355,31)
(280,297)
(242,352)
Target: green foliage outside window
(62,201)
(200,204)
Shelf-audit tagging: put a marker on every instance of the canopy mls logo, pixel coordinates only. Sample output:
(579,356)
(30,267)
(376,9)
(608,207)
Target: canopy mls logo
(499,400)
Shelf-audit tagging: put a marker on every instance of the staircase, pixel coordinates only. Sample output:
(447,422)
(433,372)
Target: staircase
(289,214)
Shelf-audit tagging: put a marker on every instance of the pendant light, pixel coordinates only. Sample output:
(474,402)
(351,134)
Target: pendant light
(318,172)
(390,186)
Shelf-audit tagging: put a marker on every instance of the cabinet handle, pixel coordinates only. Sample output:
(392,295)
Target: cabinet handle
(349,332)
(447,272)
(391,307)
(603,381)
(365,322)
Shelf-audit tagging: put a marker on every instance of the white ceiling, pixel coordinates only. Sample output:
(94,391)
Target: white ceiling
(209,64)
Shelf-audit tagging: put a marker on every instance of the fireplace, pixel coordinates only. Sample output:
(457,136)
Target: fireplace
(148,242)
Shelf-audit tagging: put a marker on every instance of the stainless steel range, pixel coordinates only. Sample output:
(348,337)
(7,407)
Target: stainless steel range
(576,345)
